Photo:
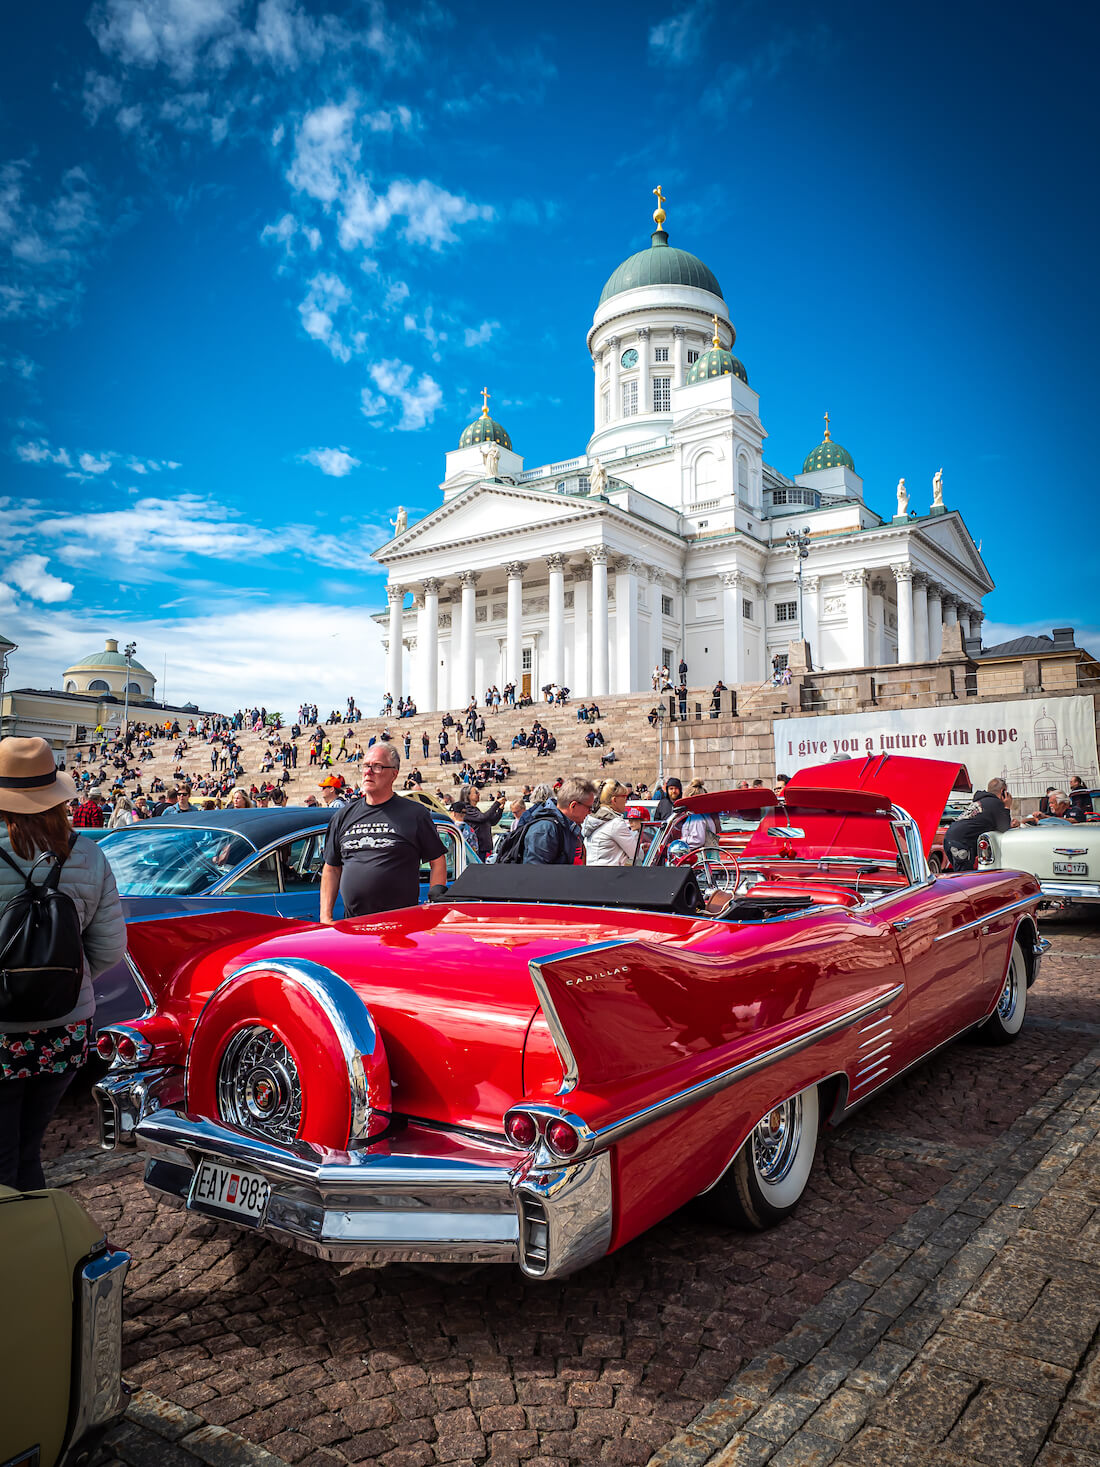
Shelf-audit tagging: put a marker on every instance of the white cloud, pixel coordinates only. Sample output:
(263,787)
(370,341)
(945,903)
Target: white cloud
(431,212)
(273,655)
(419,404)
(325,151)
(336,462)
(92,465)
(327,296)
(20,366)
(31,576)
(426,329)
(482,334)
(44,245)
(40,452)
(677,39)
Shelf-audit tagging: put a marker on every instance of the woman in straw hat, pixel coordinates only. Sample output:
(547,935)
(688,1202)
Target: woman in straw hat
(38,1060)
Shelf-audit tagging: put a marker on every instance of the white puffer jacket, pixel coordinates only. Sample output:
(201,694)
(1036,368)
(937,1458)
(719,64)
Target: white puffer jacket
(88,879)
(608,838)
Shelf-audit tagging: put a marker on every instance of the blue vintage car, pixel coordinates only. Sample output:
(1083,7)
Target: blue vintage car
(219,860)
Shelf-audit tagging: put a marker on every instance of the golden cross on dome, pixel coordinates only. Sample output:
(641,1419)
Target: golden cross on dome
(827,438)
(659,215)
(484,402)
(715,337)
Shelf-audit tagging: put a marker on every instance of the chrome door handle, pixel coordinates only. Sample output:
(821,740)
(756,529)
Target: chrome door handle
(901,924)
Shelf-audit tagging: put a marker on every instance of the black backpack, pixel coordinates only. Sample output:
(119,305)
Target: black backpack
(510,852)
(41,951)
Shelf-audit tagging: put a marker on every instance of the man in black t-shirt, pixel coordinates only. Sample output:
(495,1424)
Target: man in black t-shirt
(374,846)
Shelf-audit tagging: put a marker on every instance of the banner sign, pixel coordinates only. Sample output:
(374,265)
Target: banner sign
(1029,743)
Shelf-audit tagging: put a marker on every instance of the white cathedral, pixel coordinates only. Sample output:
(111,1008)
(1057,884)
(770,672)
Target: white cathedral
(668,536)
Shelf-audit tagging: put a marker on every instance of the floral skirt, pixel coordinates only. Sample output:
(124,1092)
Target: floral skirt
(44,1051)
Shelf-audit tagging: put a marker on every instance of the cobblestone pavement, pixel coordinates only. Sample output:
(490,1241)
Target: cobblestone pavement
(931,1300)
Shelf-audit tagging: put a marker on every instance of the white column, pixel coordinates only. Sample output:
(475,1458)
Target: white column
(466,686)
(920,616)
(656,590)
(950,609)
(977,616)
(733,642)
(514,657)
(394,661)
(626,625)
(903,575)
(811,587)
(597,375)
(429,641)
(644,404)
(448,658)
(855,582)
(615,399)
(582,646)
(935,619)
(417,670)
(876,639)
(598,556)
(677,356)
(555,647)
(964,619)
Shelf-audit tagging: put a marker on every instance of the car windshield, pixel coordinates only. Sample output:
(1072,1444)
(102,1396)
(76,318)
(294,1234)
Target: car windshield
(173,861)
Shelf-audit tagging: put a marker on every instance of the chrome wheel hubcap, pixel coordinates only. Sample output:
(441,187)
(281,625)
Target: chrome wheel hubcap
(1006,1004)
(259,1088)
(776,1139)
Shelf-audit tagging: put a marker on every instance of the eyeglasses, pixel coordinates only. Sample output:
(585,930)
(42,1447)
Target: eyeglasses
(582,805)
(380,768)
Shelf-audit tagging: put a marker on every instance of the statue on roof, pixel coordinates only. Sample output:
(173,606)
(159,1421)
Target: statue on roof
(903,498)
(597,479)
(937,489)
(490,457)
(401,523)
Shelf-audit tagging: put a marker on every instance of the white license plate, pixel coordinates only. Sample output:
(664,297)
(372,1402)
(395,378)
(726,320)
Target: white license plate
(228,1190)
(1071,868)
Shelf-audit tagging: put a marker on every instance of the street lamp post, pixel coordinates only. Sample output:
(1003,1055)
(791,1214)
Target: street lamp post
(799,542)
(661,743)
(129,650)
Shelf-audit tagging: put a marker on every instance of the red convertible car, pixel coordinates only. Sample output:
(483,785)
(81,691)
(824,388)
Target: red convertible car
(548,1061)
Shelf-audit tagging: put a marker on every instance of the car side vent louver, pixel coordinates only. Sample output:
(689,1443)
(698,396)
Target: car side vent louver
(108,1123)
(535,1235)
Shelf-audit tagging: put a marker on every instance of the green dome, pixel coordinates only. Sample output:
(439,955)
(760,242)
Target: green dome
(112,657)
(484,430)
(828,455)
(718,362)
(661,265)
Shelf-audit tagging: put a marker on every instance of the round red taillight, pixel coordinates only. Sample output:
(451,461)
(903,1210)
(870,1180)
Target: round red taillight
(521,1130)
(561,1137)
(126,1049)
(105,1046)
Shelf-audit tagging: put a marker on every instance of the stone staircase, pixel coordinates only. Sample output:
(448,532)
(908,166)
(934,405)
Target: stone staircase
(719,750)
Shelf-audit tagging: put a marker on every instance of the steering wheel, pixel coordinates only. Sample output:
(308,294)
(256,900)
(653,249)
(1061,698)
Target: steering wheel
(722,872)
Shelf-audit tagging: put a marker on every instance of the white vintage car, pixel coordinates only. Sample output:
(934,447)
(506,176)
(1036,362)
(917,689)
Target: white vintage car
(1063,854)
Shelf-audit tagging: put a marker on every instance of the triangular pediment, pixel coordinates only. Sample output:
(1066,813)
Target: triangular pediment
(486,509)
(949,535)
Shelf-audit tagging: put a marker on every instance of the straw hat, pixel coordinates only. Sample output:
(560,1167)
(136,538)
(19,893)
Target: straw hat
(30,781)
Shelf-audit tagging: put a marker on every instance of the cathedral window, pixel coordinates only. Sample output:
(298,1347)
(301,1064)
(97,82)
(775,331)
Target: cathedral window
(584,484)
(525,654)
(786,611)
(779,496)
(666,605)
(662,394)
(630,399)
(660,354)
(743,478)
(746,609)
(693,356)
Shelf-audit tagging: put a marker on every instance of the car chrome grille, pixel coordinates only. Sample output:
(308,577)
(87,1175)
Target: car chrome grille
(108,1123)
(259,1089)
(534,1234)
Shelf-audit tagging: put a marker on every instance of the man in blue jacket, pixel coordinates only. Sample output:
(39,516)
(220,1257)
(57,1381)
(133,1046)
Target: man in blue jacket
(554,829)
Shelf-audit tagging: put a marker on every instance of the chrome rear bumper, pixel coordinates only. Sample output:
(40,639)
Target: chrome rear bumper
(422,1194)
(1068,892)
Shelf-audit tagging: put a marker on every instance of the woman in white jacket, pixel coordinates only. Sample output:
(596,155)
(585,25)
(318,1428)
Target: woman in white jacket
(38,1058)
(608,838)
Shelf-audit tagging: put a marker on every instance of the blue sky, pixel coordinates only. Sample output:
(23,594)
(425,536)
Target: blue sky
(257,260)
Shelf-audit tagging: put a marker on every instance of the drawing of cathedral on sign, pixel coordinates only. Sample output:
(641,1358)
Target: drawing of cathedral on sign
(1047,761)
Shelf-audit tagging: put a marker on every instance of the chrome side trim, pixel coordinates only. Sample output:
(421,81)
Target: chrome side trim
(98,1394)
(988,917)
(347,1014)
(717,1083)
(1071,891)
(546,1003)
(126,1097)
(141,985)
